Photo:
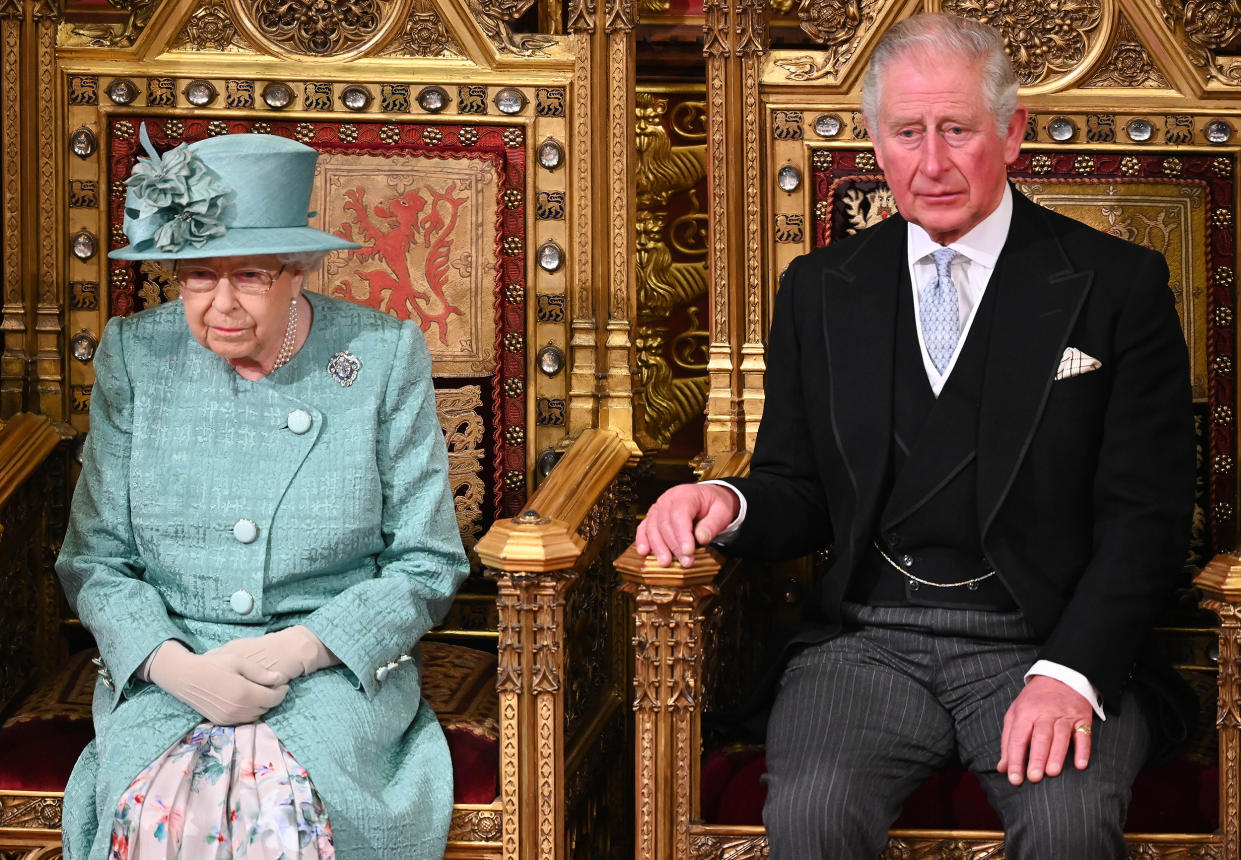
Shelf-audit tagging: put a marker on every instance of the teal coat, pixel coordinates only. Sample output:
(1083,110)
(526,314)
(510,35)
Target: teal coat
(357,539)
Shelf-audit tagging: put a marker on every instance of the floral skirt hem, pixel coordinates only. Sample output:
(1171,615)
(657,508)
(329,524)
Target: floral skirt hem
(222,793)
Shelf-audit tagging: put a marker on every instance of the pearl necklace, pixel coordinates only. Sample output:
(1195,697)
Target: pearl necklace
(290,337)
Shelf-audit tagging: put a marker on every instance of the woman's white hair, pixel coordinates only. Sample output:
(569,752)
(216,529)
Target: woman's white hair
(926,40)
(303,261)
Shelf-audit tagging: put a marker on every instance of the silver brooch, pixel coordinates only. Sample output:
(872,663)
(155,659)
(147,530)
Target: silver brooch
(344,368)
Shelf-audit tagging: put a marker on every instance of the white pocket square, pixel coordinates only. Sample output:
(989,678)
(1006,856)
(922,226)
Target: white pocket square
(1074,362)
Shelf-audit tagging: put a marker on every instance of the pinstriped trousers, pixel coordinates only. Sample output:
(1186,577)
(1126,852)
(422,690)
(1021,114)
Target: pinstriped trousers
(861,720)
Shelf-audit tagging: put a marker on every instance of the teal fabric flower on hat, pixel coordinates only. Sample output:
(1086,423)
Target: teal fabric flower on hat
(175,199)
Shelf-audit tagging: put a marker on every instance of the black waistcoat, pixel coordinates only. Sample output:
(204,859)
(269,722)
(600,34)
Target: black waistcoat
(929,524)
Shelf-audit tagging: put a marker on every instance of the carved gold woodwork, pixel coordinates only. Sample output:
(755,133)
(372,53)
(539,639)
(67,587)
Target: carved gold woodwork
(730,847)
(30,810)
(459,416)
(662,169)
(735,41)
(211,28)
(837,25)
(1220,584)
(538,575)
(1209,30)
(669,606)
(111,35)
(474,823)
(425,35)
(13,317)
(670,402)
(1128,63)
(620,306)
(48,382)
(664,286)
(1044,41)
(496,17)
(311,29)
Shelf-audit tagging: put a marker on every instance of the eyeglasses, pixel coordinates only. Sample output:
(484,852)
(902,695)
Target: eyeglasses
(252,282)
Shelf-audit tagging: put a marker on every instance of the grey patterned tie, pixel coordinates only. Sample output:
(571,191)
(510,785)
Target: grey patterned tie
(937,306)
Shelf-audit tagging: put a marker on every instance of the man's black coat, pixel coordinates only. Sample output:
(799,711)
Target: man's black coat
(1085,485)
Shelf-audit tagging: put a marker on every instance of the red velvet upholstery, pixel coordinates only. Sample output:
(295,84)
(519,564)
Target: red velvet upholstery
(42,739)
(1181,797)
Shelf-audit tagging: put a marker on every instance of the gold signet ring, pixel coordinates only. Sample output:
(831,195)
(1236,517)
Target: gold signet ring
(1085,730)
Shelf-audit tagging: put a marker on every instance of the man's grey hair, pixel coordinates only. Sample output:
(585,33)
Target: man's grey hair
(926,40)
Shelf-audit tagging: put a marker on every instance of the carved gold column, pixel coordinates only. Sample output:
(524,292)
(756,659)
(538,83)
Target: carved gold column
(735,42)
(751,29)
(1220,583)
(49,365)
(534,560)
(588,268)
(617,404)
(13,314)
(531,558)
(668,619)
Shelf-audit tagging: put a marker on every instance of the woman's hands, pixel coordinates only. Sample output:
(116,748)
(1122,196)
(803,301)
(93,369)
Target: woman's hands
(228,689)
(242,679)
(291,652)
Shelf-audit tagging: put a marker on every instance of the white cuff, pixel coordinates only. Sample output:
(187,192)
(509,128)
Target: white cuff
(1079,682)
(731,528)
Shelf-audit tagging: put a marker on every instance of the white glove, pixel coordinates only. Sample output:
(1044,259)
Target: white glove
(290,653)
(227,689)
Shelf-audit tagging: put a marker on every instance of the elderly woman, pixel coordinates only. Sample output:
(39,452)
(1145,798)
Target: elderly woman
(261,533)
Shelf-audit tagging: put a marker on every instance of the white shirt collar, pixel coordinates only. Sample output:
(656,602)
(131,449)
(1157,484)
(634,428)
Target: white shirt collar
(982,244)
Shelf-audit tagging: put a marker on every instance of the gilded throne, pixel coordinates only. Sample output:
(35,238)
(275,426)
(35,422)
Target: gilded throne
(1133,129)
(457,149)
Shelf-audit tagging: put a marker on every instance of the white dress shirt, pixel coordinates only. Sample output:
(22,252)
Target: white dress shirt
(971,272)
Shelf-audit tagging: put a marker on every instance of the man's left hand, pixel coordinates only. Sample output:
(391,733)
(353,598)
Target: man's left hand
(1042,721)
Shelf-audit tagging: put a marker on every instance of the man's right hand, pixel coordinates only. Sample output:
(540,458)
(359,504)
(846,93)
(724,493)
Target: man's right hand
(685,516)
(227,689)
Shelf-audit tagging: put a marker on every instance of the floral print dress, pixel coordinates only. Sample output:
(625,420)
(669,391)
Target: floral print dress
(222,793)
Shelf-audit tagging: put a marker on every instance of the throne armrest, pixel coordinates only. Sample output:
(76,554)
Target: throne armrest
(28,628)
(561,652)
(547,536)
(676,620)
(1220,584)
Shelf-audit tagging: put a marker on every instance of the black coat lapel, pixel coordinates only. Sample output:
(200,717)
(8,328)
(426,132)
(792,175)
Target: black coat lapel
(859,329)
(1040,294)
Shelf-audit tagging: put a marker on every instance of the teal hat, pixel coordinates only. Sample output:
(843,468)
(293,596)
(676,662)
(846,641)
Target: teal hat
(226,196)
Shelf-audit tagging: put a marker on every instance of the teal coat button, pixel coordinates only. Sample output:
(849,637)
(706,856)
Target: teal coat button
(242,602)
(299,421)
(246,531)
